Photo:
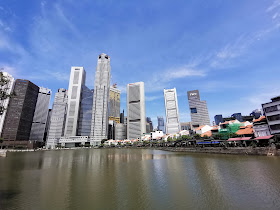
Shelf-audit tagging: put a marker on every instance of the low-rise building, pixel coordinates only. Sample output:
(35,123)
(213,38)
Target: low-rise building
(260,127)
(272,113)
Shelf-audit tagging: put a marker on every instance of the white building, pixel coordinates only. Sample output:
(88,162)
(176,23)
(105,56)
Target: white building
(203,129)
(58,117)
(171,111)
(157,135)
(100,115)
(8,89)
(40,115)
(77,80)
(272,113)
(136,116)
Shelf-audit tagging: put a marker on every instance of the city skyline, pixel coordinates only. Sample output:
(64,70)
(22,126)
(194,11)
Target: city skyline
(216,58)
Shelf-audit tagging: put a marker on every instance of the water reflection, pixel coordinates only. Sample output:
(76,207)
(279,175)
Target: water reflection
(137,179)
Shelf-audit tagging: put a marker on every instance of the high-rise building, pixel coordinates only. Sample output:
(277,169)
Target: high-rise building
(40,115)
(199,111)
(47,125)
(149,127)
(8,88)
(100,114)
(218,119)
(161,126)
(122,117)
(171,111)
(272,113)
(85,117)
(58,117)
(20,113)
(136,116)
(114,104)
(77,80)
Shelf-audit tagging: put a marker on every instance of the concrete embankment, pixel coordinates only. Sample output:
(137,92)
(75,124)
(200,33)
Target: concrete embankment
(229,150)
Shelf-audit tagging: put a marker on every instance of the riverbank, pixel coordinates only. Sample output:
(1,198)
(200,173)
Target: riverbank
(264,151)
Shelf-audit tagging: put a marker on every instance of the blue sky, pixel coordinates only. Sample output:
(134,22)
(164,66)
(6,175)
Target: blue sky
(229,50)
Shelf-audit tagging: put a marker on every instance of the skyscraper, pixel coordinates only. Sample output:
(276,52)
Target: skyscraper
(20,113)
(171,111)
(100,115)
(218,119)
(77,80)
(85,117)
(8,88)
(161,126)
(114,104)
(136,117)
(58,117)
(40,115)
(199,111)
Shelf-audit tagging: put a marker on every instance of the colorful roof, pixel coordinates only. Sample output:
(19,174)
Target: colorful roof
(239,139)
(200,127)
(262,118)
(208,133)
(247,130)
(264,137)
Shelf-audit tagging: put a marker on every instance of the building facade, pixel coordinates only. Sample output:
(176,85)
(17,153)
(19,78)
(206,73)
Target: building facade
(260,127)
(100,114)
(120,131)
(58,118)
(237,116)
(20,113)
(114,104)
(77,80)
(40,115)
(161,126)
(136,115)
(85,115)
(186,126)
(199,111)
(171,111)
(8,88)
(272,113)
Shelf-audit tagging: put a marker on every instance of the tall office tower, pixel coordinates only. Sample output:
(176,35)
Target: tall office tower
(136,117)
(218,119)
(47,125)
(40,115)
(4,103)
(149,125)
(199,111)
(122,117)
(20,113)
(58,117)
(77,80)
(171,111)
(161,126)
(114,104)
(100,115)
(84,121)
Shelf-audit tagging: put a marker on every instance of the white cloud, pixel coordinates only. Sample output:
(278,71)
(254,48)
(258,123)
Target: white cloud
(11,70)
(273,6)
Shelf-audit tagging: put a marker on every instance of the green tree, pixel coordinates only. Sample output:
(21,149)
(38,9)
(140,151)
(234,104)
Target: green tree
(197,136)
(186,137)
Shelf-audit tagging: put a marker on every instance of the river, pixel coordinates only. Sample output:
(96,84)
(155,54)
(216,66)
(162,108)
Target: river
(137,179)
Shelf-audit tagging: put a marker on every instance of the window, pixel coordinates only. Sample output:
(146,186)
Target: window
(274,117)
(193,110)
(275,127)
(271,109)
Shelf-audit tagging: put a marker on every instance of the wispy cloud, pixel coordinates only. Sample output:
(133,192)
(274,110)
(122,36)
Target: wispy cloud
(273,6)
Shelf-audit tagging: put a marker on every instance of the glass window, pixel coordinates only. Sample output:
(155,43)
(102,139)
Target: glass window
(193,110)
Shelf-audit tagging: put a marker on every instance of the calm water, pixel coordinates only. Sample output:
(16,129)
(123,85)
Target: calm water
(137,179)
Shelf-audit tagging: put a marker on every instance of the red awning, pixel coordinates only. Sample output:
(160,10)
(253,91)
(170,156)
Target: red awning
(264,137)
(239,139)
